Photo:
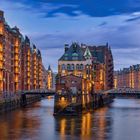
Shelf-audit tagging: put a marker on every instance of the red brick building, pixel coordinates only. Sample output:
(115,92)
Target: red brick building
(21,65)
(73,84)
(92,63)
(128,77)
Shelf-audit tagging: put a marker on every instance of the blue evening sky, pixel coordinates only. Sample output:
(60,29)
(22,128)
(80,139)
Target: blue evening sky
(52,23)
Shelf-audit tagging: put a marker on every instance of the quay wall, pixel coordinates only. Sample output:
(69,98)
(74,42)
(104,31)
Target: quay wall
(76,104)
(11,103)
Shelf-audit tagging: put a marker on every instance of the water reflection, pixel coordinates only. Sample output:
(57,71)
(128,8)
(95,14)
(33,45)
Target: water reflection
(10,125)
(87,126)
(119,121)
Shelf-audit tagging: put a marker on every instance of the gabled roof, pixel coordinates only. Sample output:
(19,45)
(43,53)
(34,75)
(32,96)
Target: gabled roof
(75,51)
(87,53)
(97,53)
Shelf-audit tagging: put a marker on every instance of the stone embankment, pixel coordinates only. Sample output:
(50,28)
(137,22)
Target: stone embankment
(11,102)
(69,104)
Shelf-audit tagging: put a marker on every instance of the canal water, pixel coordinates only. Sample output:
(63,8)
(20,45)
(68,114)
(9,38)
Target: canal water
(119,121)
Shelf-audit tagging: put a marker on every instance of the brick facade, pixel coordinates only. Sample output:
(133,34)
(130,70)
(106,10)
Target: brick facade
(21,65)
(95,64)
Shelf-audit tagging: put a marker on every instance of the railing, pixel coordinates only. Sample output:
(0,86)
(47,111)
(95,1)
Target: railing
(40,91)
(124,90)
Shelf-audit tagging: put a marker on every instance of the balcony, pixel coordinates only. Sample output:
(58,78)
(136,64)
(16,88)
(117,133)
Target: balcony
(16,50)
(28,76)
(28,63)
(1,49)
(1,30)
(16,70)
(16,58)
(16,43)
(16,63)
(28,69)
(1,66)
(1,58)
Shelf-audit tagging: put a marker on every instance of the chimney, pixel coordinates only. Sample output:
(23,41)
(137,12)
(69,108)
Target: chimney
(66,47)
(1,15)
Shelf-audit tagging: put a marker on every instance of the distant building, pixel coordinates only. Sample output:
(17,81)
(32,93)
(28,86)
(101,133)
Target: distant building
(90,63)
(49,78)
(128,77)
(54,81)
(44,78)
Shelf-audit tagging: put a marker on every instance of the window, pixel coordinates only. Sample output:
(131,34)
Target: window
(81,67)
(68,66)
(62,82)
(74,58)
(73,82)
(77,66)
(72,67)
(63,66)
(66,58)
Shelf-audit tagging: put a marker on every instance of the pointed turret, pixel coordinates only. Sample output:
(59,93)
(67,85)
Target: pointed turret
(27,40)
(49,68)
(87,53)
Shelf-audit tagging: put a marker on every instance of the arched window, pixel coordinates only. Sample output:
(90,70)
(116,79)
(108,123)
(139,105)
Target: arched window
(81,67)
(72,67)
(87,69)
(74,56)
(77,66)
(68,66)
(66,56)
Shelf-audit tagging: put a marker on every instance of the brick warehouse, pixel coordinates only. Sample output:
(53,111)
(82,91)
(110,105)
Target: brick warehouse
(21,65)
(128,77)
(91,63)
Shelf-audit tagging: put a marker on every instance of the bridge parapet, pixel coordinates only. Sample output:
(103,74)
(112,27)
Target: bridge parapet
(123,91)
(38,91)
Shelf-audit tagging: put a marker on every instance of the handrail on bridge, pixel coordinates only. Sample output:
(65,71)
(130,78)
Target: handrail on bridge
(39,91)
(124,90)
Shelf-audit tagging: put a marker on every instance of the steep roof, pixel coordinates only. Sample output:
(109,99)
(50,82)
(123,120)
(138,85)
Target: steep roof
(49,68)
(85,52)
(98,52)
(73,53)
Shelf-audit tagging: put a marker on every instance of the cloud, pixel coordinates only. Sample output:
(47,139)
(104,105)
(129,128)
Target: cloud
(51,24)
(94,8)
(133,19)
(103,23)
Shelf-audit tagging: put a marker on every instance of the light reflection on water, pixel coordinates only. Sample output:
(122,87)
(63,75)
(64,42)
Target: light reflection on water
(119,121)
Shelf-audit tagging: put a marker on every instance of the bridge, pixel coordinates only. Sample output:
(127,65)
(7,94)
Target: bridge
(33,95)
(123,92)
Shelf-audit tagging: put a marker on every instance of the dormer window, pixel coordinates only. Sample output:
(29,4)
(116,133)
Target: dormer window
(66,56)
(74,56)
